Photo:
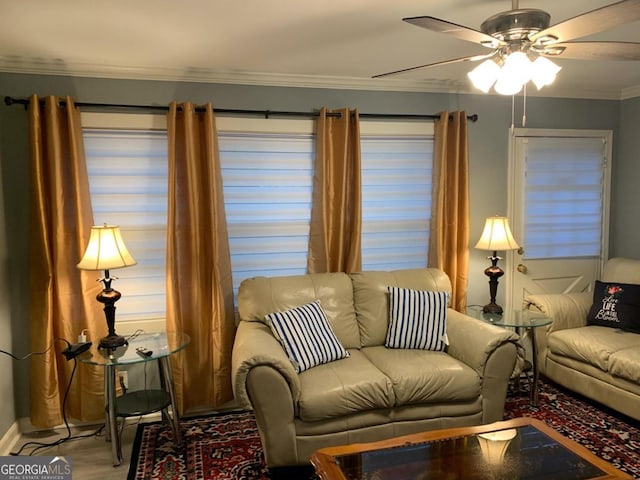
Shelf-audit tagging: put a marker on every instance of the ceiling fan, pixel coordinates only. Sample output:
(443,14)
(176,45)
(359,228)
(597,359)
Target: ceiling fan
(521,38)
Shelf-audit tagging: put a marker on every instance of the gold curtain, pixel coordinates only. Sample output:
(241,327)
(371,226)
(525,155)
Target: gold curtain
(449,238)
(336,212)
(199,286)
(62,297)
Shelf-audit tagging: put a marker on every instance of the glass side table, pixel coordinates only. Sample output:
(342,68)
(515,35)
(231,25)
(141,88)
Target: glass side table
(525,324)
(161,346)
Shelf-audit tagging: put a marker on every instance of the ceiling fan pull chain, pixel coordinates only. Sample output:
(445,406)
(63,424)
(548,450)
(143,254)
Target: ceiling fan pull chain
(513,113)
(524,106)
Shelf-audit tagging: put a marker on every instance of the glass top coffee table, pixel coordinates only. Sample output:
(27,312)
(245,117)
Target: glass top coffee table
(518,449)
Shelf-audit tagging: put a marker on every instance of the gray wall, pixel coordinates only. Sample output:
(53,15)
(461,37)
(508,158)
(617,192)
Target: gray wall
(488,140)
(8,411)
(625,195)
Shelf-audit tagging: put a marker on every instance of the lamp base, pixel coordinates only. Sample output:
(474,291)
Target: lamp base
(492,308)
(494,272)
(111,342)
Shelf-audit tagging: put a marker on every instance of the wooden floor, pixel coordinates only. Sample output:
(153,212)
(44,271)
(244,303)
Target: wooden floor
(90,457)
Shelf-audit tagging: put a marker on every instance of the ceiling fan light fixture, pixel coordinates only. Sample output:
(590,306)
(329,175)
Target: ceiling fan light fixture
(544,72)
(517,69)
(518,66)
(528,33)
(515,72)
(484,75)
(507,85)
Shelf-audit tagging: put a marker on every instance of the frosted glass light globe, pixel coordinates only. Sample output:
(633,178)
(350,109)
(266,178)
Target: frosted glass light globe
(518,66)
(484,75)
(544,72)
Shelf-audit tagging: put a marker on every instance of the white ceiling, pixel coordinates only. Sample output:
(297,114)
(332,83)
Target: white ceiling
(333,43)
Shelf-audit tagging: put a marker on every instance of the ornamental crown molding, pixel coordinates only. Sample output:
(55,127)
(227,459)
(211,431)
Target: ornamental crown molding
(40,66)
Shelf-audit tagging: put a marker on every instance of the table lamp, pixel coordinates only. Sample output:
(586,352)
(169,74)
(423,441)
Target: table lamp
(106,250)
(495,236)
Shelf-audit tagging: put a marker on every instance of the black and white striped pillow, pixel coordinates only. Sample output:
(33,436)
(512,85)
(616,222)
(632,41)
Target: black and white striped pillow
(417,319)
(306,336)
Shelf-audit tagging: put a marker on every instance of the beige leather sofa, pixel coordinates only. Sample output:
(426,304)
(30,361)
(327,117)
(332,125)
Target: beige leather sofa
(376,392)
(601,363)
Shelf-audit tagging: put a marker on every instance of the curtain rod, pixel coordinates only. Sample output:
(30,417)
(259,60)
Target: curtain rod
(232,111)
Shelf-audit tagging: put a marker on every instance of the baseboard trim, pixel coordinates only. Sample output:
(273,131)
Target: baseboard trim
(10,438)
(23,426)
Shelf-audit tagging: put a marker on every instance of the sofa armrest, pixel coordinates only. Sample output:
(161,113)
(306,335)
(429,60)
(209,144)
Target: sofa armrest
(256,346)
(473,341)
(495,353)
(567,310)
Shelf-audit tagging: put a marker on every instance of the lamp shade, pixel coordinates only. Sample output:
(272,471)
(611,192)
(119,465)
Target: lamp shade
(106,250)
(497,235)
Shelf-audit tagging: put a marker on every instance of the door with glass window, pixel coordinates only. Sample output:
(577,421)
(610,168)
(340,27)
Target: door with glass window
(559,203)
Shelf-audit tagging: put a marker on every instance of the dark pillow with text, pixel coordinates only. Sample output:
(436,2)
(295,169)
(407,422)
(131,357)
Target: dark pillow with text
(615,305)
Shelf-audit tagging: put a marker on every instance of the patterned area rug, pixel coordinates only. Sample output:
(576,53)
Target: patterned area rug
(227,446)
(223,446)
(608,434)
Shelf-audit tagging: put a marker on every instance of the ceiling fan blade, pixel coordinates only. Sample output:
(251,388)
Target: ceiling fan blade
(594,21)
(474,58)
(595,50)
(459,31)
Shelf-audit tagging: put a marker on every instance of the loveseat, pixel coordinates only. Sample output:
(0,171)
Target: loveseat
(599,362)
(376,392)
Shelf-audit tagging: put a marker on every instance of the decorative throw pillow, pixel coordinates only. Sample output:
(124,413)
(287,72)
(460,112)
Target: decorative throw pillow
(306,336)
(417,319)
(615,305)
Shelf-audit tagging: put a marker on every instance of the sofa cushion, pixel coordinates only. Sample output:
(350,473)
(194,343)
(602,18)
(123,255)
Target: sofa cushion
(371,297)
(343,387)
(422,376)
(417,319)
(615,305)
(259,296)
(625,363)
(592,344)
(306,336)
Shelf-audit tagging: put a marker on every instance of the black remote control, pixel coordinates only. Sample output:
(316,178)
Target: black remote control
(143,352)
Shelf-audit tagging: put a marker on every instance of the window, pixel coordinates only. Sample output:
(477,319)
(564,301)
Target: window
(267,173)
(128,184)
(397,163)
(563,214)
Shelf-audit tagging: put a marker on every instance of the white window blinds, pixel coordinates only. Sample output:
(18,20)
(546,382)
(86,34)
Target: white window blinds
(267,172)
(128,184)
(563,197)
(396,199)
